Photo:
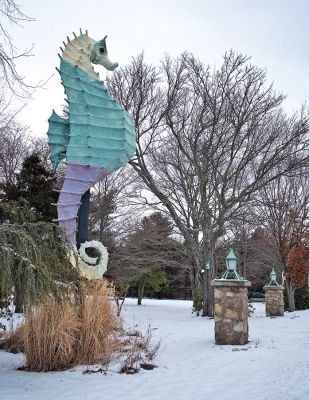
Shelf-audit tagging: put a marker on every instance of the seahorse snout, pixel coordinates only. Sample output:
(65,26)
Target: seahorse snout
(110,66)
(99,55)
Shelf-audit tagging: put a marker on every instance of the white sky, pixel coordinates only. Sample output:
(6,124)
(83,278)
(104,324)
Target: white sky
(274,32)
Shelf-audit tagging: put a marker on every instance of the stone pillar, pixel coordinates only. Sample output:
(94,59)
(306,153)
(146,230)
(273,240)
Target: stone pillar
(274,302)
(231,311)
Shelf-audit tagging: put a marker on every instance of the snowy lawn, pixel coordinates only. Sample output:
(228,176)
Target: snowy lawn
(274,365)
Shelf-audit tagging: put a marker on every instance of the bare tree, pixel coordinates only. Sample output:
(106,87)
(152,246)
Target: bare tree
(14,147)
(113,207)
(14,144)
(283,212)
(206,143)
(10,78)
(255,252)
(40,146)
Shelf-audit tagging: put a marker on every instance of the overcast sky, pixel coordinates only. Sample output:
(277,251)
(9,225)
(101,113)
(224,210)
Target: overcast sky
(275,33)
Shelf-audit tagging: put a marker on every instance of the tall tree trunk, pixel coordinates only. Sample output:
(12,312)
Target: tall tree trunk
(196,288)
(208,296)
(209,275)
(101,232)
(140,292)
(242,264)
(291,295)
(19,304)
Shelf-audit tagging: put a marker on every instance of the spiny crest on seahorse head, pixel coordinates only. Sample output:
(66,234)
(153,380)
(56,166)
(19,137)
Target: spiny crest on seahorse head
(82,51)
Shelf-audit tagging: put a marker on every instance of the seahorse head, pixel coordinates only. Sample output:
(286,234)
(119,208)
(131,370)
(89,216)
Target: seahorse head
(99,55)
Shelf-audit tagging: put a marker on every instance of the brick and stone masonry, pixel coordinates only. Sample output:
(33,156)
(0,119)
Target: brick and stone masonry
(231,311)
(274,301)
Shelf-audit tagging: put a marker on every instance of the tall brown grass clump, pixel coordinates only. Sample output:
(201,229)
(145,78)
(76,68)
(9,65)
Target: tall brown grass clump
(81,328)
(77,330)
(99,324)
(50,335)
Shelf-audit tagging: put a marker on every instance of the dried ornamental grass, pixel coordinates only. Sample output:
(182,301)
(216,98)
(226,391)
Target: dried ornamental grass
(51,334)
(77,330)
(99,324)
(81,329)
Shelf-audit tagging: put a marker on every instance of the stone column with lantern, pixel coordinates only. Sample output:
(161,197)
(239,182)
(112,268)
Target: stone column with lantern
(274,300)
(231,305)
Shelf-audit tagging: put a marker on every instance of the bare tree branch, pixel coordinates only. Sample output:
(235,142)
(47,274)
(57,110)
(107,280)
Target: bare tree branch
(207,142)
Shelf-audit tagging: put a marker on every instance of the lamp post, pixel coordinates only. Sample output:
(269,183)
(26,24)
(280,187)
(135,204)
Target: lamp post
(231,266)
(231,305)
(274,299)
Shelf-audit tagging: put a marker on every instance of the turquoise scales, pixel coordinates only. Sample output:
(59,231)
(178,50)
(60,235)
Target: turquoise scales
(99,135)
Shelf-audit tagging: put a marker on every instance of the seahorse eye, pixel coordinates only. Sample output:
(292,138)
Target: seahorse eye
(101,49)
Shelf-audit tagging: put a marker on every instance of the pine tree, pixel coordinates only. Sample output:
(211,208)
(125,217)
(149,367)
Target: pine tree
(35,183)
(140,262)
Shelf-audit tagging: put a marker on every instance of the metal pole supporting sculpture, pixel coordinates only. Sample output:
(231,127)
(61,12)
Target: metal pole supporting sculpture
(97,138)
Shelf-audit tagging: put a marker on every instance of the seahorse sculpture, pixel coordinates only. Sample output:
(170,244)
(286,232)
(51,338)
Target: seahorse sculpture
(97,138)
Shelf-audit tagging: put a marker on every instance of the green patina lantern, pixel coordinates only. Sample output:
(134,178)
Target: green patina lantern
(231,266)
(231,261)
(273,278)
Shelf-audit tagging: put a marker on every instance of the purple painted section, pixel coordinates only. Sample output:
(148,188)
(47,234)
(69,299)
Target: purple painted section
(78,179)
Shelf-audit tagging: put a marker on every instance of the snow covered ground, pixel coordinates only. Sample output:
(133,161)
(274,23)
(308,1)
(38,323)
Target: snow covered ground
(274,365)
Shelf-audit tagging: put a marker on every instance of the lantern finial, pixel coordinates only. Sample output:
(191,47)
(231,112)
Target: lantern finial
(273,278)
(231,266)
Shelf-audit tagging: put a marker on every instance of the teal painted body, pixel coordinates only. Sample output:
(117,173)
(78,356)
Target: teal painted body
(58,138)
(98,132)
